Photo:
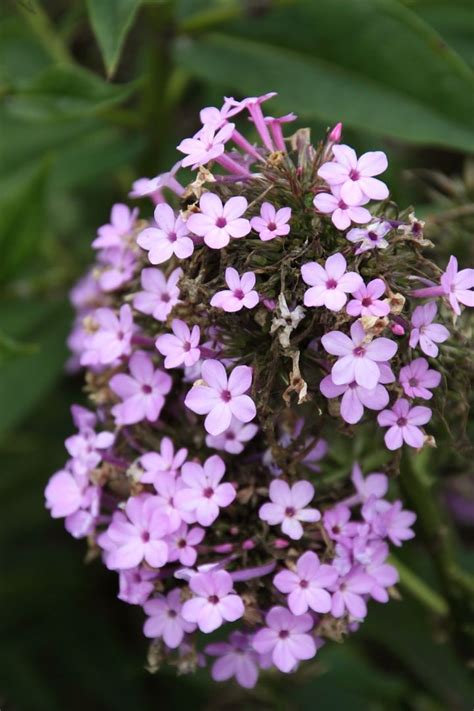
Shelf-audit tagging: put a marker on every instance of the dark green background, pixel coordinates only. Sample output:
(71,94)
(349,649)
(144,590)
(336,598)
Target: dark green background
(93,95)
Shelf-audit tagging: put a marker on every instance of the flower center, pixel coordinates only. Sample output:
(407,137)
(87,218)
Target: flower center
(181,543)
(145,536)
(336,530)
(186,346)
(221,222)
(354,174)
(172,613)
(271,226)
(207,493)
(290,511)
(230,435)
(172,237)
(402,421)
(331,284)
(283,634)
(120,335)
(213,599)
(303,584)
(342,205)
(359,351)
(165,297)
(413,382)
(226,395)
(372,236)
(239,294)
(366,301)
(147,389)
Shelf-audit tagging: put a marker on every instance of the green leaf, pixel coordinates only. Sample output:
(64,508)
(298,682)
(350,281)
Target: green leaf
(111,20)
(22,222)
(64,92)
(394,76)
(454,21)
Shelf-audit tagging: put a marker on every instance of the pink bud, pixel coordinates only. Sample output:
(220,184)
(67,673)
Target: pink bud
(248,545)
(281,543)
(335,133)
(224,548)
(397,329)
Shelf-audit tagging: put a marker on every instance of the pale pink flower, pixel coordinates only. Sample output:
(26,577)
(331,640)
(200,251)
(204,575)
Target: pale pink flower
(136,585)
(348,594)
(355,397)
(122,222)
(182,348)
(138,534)
(219,223)
(165,620)
(214,601)
(170,237)
(152,187)
(183,544)
(220,397)
(253,106)
(113,337)
(167,489)
(159,295)
(234,439)
(85,448)
(286,638)
(207,144)
(355,175)
(203,494)
(71,495)
(404,424)
(275,125)
(370,237)
(383,574)
(288,507)
(338,524)
(117,268)
(307,586)
(366,300)
(395,523)
(341,213)
(425,332)
(358,360)
(417,379)
(271,223)
(240,293)
(166,461)
(374,484)
(458,285)
(142,392)
(329,284)
(235,658)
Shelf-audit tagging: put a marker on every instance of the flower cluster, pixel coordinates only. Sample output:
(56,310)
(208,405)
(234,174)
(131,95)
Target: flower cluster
(234,343)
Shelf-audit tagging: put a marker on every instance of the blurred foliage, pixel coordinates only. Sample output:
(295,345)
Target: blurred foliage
(96,93)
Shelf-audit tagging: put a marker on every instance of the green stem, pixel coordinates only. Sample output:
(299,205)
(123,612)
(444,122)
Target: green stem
(41,26)
(419,589)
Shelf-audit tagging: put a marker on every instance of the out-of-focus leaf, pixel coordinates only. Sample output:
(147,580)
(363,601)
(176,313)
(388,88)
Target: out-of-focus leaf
(26,379)
(10,347)
(454,20)
(394,76)
(111,20)
(22,223)
(21,55)
(62,92)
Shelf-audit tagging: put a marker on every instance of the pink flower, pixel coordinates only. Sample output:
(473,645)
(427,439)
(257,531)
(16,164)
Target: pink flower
(395,523)
(182,348)
(214,601)
(355,397)
(165,619)
(338,524)
(118,268)
(425,332)
(203,494)
(417,378)
(234,439)
(306,588)
(167,461)
(152,187)
(167,488)
(370,237)
(285,638)
(288,507)
(122,222)
(113,337)
(271,223)
(236,658)
(240,293)
(207,144)
(366,300)
(374,484)
(159,295)
(347,596)
(457,285)
(341,213)
(404,424)
(329,284)
(182,544)
(142,391)
(220,397)
(383,574)
(218,223)
(355,176)
(85,448)
(71,496)
(136,585)
(358,360)
(170,237)
(137,535)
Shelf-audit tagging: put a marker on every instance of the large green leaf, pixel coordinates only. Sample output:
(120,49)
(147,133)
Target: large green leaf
(454,20)
(111,21)
(373,64)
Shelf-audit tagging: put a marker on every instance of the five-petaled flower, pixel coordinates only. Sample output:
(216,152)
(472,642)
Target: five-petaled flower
(240,293)
(170,237)
(271,223)
(417,379)
(214,601)
(329,284)
(366,301)
(307,587)
(218,223)
(426,333)
(354,175)
(289,507)
(181,347)
(165,620)
(203,493)
(142,392)
(159,294)
(286,638)
(404,424)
